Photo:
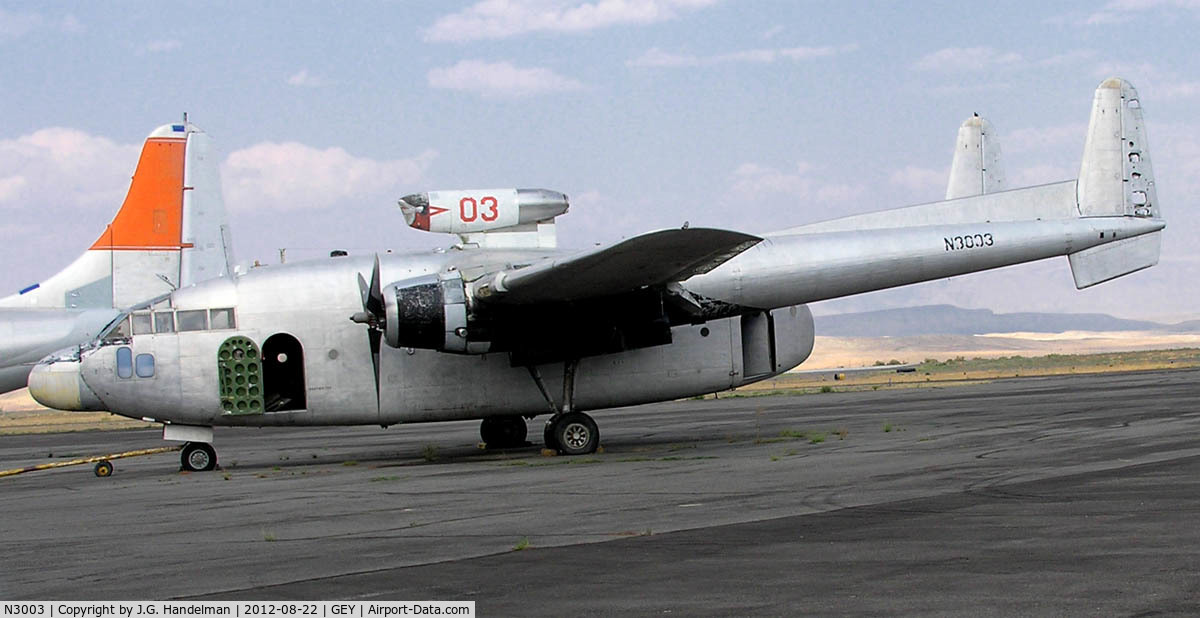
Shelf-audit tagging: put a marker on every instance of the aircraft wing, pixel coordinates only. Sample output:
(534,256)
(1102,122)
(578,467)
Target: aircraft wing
(654,258)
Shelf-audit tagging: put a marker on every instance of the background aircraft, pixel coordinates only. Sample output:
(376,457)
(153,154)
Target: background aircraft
(170,232)
(503,326)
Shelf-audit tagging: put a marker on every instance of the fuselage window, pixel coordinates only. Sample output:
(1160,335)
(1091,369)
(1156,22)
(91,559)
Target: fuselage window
(164,321)
(221,318)
(144,365)
(124,363)
(192,320)
(141,324)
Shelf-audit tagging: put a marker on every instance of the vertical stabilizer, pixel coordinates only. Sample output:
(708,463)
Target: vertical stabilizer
(1116,180)
(207,247)
(1115,177)
(170,231)
(976,167)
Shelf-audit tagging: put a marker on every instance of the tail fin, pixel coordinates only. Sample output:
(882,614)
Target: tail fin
(171,231)
(1116,180)
(976,167)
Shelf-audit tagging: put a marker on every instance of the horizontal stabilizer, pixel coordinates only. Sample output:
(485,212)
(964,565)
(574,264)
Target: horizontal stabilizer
(1109,261)
(656,258)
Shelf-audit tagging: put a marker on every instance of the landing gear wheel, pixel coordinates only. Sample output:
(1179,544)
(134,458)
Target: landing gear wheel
(197,457)
(573,433)
(503,431)
(103,469)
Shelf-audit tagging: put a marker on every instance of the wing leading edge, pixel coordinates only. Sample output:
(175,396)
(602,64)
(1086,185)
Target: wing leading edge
(655,258)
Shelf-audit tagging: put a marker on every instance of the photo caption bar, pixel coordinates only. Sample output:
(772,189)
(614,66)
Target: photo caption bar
(237,609)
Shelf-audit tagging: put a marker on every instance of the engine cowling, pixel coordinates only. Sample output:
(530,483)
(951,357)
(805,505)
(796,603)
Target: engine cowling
(430,313)
(480,210)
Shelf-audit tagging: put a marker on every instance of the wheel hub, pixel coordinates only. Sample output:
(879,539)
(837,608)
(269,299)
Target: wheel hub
(575,435)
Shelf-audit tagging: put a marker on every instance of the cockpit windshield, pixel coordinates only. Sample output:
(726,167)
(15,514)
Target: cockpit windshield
(158,316)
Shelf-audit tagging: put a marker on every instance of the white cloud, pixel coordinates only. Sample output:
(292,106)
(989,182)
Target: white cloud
(772,32)
(1120,11)
(953,59)
(71,25)
(500,19)
(292,176)
(921,180)
(56,169)
(14,24)
(752,180)
(163,45)
(1043,139)
(500,79)
(10,187)
(1031,175)
(655,57)
(304,79)
(1067,58)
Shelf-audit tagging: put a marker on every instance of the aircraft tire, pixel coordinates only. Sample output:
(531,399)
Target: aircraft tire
(503,431)
(573,433)
(197,457)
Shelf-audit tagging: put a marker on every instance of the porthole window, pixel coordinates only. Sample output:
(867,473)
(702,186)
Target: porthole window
(124,363)
(144,365)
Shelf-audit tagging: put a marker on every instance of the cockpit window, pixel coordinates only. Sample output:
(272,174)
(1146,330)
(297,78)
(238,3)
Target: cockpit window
(192,320)
(142,323)
(118,330)
(164,321)
(221,318)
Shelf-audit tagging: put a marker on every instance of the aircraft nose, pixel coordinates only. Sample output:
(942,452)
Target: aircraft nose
(59,384)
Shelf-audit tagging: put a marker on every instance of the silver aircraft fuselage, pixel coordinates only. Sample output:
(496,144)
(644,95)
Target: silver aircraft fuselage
(312,301)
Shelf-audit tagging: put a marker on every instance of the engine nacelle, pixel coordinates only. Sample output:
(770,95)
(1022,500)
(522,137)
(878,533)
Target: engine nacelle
(430,313)
(465,212)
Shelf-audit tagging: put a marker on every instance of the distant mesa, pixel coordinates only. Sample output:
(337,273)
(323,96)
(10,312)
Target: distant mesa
(951,320)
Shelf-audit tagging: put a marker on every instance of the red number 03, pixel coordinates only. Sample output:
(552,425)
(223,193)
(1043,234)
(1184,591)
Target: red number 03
(468,209)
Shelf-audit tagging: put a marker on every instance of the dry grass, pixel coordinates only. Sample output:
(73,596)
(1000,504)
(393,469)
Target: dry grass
(962,370)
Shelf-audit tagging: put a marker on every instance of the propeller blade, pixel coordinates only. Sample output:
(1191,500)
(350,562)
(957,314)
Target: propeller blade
(363,289)
(375,337)
(373,315)
(374,301)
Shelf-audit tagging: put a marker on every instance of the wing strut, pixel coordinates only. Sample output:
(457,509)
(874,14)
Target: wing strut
(541,384)
(570,367)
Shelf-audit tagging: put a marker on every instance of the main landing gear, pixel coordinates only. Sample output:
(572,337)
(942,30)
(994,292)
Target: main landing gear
(197,457)
(567,431)
(572,433)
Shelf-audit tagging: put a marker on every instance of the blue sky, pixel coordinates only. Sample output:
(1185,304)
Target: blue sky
(748,115)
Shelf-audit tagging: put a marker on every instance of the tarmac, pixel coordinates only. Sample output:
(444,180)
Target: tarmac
(1073,495)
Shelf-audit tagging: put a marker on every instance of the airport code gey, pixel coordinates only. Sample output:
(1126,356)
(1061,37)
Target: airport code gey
(324,609)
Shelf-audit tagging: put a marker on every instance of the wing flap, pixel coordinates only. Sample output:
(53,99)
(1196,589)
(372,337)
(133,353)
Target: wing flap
(655,258)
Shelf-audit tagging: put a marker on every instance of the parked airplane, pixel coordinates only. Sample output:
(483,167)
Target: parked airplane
(504,326)
(170,232)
